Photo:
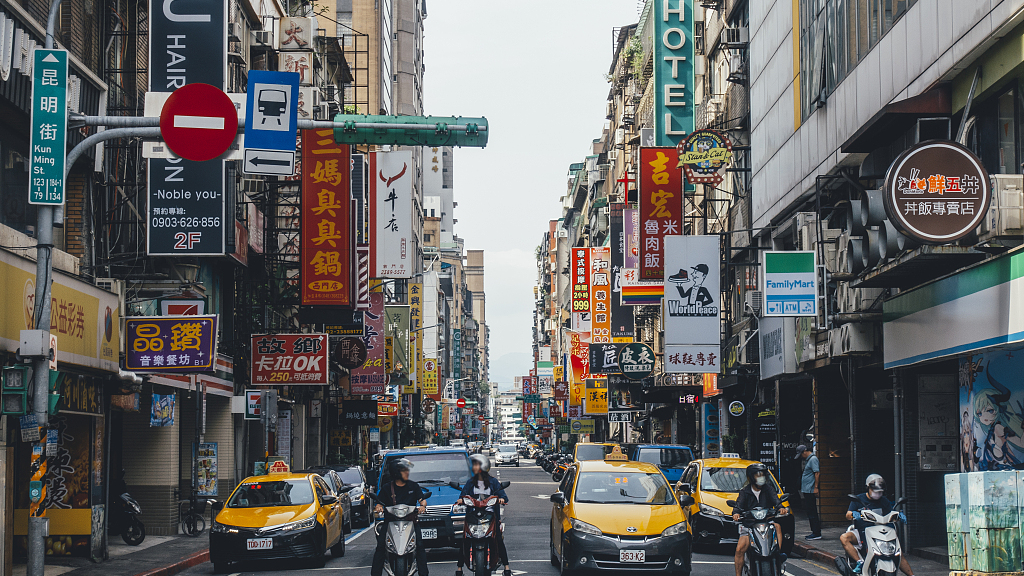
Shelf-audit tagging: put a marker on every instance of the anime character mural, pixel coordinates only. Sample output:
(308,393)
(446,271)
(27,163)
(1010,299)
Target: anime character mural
(992,411)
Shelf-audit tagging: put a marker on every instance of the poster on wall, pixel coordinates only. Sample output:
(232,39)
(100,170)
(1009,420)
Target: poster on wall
(207,468)
(162,411)
(991,410)
(712,443)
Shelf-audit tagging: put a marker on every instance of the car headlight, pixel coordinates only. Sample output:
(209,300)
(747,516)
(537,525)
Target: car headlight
(885,547)
(710,511)
(459,509)
(218,528)
(291,526)
(358,497)
(581,526)
(675,529)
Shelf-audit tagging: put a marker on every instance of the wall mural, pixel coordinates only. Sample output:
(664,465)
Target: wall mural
(992,411)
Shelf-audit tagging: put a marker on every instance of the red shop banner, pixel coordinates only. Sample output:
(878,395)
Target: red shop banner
(661,207)
(327,240)
(289,359)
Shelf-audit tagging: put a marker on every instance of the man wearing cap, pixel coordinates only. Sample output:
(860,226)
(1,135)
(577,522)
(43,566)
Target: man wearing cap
(809,489)
(696,294)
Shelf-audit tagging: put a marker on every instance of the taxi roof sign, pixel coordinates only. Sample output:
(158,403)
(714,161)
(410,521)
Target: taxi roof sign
(731,455)
(278,467)
(616,455)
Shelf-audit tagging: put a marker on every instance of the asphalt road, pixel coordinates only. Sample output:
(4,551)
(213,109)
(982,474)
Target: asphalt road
(527,518)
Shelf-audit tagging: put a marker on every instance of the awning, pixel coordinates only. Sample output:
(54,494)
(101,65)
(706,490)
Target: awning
(219,383)
(894,119)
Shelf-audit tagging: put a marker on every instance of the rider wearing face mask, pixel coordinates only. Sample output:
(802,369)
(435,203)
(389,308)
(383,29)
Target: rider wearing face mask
(872,499)
(758,493)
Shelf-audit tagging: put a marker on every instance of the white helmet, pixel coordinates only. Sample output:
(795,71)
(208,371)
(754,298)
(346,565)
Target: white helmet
(484,461)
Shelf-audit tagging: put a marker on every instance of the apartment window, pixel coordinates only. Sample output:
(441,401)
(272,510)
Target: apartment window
(1006,123)
(344,18)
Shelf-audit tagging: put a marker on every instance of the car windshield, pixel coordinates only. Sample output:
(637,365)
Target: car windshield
(592,451)
(351,476)
(296,492)
(665,457)
(728,480)
(623,488)
(437,468)
(506,448)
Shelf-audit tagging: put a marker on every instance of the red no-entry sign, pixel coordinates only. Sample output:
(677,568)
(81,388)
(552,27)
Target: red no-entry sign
(461,403)
(198,122)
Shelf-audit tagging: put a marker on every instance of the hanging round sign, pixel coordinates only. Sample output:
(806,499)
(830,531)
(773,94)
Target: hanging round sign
(937,192)
(736,408)
(704,155)
(350,352)
(636,360)
(428,406)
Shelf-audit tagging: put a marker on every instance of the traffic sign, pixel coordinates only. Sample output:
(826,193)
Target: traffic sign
(271,117)
(461,403)
(48,138)
(198,122)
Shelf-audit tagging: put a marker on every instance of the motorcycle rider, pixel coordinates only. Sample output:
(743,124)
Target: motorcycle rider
(482,486)
(758,493)
(400,490)
(872,499)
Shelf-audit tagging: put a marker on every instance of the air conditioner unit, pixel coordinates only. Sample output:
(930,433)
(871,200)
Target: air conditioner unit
(850,339)
(321,112)
(737,35)
(736,65)
(234,31)
(613,154)
(1006,211)
(753,302)
(116,286)
(620,136)
(263,39)
(317,97)
(853,300)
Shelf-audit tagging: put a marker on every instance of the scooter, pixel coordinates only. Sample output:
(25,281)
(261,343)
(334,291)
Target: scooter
(400,541)
(881,543)
(133,531)
(763,557)
(560,469)
(480,532)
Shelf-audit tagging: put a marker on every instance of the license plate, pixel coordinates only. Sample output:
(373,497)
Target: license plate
(428,533)
(632,556)
(259,544)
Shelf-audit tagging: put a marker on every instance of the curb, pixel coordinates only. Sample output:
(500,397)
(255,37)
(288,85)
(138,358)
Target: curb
(185,563)
(812,553)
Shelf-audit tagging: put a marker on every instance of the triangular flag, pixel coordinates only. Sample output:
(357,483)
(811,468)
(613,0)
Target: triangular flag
(50,58)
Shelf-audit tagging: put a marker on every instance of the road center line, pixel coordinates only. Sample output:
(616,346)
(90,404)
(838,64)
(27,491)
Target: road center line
(205,122)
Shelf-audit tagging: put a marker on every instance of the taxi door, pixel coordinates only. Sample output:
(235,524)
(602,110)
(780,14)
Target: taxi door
(689,479)
(561,513)
(330,514)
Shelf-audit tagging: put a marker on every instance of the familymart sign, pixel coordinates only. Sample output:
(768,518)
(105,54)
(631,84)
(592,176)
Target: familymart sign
(790,283)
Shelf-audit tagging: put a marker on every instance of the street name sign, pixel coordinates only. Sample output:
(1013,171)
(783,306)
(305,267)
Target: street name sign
(198,122)
(48,138)
(271,118)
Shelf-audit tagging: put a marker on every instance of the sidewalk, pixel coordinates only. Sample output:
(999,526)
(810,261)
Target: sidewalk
(927,562)
(156,556)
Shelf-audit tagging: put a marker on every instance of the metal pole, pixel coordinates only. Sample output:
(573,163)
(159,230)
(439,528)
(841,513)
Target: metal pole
(37,523)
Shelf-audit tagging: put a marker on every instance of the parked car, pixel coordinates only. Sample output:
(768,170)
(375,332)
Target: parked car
(362,508)
(340,489)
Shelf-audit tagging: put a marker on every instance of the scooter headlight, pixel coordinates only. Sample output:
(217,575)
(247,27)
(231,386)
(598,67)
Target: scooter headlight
(759,514)
(479,530)
(885,547)
(411,546)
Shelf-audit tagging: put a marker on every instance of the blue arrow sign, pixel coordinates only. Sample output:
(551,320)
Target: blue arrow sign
(271,110)
(49,127)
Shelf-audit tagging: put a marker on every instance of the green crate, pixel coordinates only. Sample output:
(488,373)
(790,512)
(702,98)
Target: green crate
(995,550)
(957,543)
(993,500)
(957,562)
(956,510)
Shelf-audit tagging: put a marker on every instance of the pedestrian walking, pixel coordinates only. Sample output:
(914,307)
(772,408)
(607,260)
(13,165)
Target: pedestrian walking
(809,489)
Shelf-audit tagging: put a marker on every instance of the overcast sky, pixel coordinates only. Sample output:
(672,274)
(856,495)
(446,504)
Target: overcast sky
(535,69)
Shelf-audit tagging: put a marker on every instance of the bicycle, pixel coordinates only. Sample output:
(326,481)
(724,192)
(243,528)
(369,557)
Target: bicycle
(192,521)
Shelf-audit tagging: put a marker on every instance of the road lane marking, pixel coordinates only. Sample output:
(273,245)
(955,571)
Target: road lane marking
(205,122)
(358,534)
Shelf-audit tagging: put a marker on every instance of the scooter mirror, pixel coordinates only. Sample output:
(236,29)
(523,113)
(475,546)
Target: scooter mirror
(505,484)
(730,503)
(785,498)
(455,485)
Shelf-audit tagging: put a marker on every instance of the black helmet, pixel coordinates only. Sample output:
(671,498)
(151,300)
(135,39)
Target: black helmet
(753,470)
(397,465)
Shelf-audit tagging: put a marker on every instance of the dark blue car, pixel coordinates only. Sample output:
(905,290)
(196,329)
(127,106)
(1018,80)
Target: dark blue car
(433,469)
(670,458)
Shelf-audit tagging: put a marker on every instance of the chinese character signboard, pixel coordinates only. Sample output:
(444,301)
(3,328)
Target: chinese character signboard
(457,353)
(370,378)
(391,249)
(561,390)
(604,357)
(937,192)
(661,207)
(580,273)
(289,359)
(358,413)
(621,316)
(692,303)
(636,360)
(790,284)
(327,237)
(600,295)
(49,123)
(170,344)
(579,360)
(673,70)
(429,378)
(596,399)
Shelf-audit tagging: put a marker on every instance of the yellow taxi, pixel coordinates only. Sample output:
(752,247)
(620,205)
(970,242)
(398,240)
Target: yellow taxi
(613,514)
(710,483)
(276,516)
(592,450)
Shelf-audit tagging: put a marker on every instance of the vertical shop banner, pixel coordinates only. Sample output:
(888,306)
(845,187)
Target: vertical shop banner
(709,426)
(162,410)
(631,223)
(391,241)
(416,332)
(621,315)
(328,240)
(397,328)
(370,378)
(457,353)
(186,213)
(289,359)
(661,207)
(428,379)
(693,302)
(600,295)
(579,361)
(561,390)
(596,399)
(580,272)
(170,344)
(673,70)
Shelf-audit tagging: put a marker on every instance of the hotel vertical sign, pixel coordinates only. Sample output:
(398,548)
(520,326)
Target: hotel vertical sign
(673,70)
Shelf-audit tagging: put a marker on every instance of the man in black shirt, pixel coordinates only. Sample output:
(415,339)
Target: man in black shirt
(400,490)
(758,493)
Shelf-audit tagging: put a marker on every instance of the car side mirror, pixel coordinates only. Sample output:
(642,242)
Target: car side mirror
(455,485)
(346,488)
(730,503)
(785,498)
(683,487)
(686,500)
(329,499)
(505,484)
(558,498)
(216,507)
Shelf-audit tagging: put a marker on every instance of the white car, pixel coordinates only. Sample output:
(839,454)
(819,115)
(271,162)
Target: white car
(507,454)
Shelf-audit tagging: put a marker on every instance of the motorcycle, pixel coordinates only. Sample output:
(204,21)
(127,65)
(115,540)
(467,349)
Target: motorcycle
(133,531)
(480,532)
(400,541)
(763,556)
(881,543)
(560,469)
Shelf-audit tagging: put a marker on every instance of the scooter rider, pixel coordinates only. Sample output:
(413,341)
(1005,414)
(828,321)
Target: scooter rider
(400,490)
(874,498)
(758,493)
(479,487)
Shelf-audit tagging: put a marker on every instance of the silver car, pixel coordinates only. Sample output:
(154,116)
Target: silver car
(507,454)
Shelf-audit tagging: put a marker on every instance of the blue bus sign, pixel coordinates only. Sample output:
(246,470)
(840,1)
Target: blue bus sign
(49,127)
